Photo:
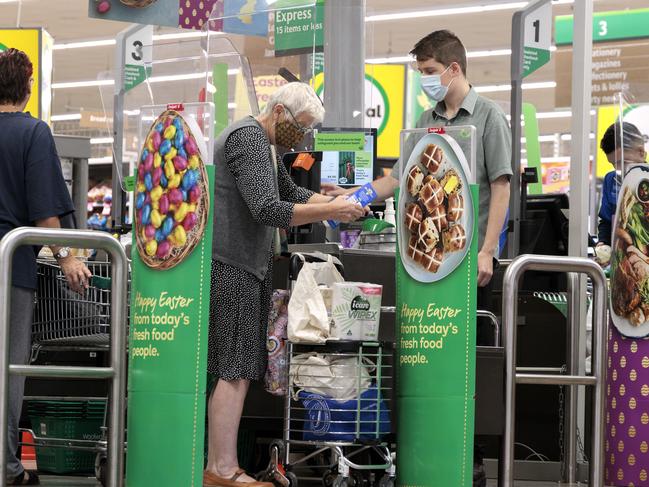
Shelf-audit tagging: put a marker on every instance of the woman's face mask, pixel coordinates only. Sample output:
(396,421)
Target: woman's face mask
(289,133)
(433,87)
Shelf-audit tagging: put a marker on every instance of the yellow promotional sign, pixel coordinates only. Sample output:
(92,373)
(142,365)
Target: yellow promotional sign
(385,89)
(638,115)
(606,116)
(34,43)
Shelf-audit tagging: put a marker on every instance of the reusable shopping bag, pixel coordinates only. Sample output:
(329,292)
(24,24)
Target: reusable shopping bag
(365,418)
(276,378)
(340,378)
(308,319)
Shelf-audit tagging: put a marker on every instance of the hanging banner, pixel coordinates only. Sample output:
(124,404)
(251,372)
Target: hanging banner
(436,316)
(187,14)
(37,44)
(170,295)
(299,28)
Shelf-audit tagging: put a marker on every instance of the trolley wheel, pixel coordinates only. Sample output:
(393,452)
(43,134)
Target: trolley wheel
(100,468)
(329,478)
(341,481)
(386,481)
(280,448)
(292,479)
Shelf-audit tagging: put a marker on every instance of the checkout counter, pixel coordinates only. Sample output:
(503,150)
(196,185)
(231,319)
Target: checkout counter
(538,415)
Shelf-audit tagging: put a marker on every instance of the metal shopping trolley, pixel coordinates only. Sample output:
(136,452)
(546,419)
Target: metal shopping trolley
(67,321)
(337,414)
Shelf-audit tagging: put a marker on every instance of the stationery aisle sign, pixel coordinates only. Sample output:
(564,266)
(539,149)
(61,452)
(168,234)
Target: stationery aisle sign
(436,324)
(170,293)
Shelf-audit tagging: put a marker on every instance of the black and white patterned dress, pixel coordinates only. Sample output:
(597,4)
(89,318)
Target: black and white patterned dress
(240,302)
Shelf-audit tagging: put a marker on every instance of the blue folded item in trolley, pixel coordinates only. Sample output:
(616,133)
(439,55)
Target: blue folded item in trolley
(329,420)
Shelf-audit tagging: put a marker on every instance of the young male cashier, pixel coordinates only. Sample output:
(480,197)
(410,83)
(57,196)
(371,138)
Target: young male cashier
(441,59)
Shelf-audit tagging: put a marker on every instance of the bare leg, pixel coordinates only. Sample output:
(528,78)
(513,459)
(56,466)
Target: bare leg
(225,409)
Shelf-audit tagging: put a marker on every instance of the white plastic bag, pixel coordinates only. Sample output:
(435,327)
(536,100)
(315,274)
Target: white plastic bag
(339,378)
(308,320)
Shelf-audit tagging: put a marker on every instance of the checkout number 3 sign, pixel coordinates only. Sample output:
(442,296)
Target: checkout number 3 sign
(138,57)
(537,38)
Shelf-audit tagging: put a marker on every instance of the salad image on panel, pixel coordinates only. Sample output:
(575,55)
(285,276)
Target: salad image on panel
(630,259)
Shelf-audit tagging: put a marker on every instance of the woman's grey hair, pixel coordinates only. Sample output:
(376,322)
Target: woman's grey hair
(298,98)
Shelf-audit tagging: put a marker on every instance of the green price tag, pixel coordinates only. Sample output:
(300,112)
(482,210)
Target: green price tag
(129,183)
(344,141)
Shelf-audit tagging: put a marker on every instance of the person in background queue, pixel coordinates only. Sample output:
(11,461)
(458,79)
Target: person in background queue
(32,193)
(630,147)
(441,59)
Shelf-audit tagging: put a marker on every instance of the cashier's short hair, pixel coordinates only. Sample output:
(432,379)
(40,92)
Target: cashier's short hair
(15,71)
(443,46)
(298,98)
(628,136)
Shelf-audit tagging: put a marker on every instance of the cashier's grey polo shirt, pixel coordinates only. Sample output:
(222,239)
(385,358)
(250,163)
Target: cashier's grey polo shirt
(493,144)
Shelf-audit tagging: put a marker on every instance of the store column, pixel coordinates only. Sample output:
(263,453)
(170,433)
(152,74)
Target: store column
(344,51)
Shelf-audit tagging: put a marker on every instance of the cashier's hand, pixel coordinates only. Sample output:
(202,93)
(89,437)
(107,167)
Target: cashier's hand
(76,273)
(343,210)
(329,189)
(485,268)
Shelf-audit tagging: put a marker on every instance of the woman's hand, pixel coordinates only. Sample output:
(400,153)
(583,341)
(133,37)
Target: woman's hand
(343,210)
(76,273)
(329,189)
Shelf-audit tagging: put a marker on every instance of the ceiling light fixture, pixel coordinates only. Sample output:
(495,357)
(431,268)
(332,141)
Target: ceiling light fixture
(65,117)
(466,9)
(153,79)
(526,86)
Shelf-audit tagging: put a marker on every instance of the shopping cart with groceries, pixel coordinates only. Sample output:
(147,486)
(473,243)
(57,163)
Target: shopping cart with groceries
(70,433)
(338,410)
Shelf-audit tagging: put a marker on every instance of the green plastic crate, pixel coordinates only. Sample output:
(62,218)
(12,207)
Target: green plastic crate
(68,420)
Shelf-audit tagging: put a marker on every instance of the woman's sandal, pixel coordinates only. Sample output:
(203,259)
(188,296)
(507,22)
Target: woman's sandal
(26,478)
(212,480)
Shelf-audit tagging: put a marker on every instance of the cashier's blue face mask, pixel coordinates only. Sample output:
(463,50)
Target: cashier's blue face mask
(433,87)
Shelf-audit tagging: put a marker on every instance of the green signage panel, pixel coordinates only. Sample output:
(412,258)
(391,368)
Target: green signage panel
(532,145)
(298,29)
(220,97)
(607,26)
(533,59)
(436,336)
(168,367)
(344,141)
(129,183)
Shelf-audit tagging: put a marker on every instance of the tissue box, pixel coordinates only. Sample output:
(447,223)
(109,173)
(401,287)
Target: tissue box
(356,311)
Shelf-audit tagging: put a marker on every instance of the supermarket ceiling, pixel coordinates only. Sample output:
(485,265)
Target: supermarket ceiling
(67,21)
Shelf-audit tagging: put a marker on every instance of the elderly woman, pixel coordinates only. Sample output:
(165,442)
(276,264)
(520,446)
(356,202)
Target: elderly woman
(254,197)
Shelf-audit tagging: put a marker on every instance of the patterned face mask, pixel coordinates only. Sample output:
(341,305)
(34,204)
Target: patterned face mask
(289,134)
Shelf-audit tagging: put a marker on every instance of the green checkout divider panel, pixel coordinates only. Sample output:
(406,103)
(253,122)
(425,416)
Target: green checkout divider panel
(168,368)
(436,336)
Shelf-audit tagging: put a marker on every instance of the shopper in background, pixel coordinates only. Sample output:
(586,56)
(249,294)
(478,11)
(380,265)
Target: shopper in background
(620,142)
(441,59)
(32,193)
(255,197)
